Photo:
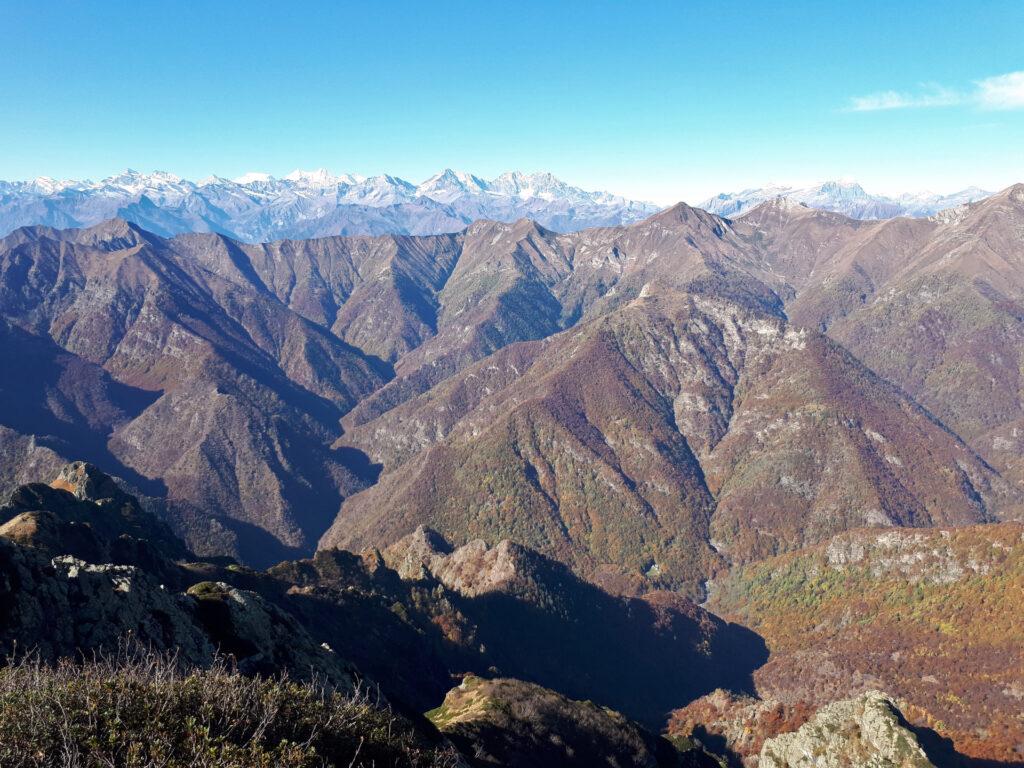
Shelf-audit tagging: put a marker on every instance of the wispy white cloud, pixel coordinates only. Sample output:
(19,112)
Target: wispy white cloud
(1001,91)
(928,96)
(997,92)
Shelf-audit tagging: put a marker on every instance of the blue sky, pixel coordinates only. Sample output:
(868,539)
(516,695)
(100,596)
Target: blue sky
(662,101)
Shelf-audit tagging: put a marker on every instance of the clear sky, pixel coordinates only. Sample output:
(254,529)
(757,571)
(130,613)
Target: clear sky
(661,101)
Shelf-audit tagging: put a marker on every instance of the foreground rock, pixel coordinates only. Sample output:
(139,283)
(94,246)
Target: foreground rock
(865,732)
(519,725)
(85,570)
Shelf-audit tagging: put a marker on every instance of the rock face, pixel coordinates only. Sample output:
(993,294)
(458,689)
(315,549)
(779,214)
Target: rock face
(263,638)
(84,570)
(510,723)
(85,514)
(865,732)
(66,607)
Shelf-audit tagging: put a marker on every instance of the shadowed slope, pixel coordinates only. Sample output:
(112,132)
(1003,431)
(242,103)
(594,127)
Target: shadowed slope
(246,395)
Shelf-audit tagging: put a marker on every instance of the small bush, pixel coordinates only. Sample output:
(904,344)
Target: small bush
(146,712)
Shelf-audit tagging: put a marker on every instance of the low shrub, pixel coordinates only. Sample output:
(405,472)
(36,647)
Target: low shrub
(145,711)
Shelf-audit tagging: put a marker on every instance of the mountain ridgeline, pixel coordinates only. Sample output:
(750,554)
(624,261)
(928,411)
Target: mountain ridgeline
(257,207)
(548,447)
(644,403)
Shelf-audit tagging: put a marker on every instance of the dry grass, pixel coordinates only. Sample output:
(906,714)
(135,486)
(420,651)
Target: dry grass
(141,710)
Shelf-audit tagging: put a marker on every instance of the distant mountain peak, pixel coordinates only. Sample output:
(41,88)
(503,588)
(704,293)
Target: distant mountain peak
(49,186)
(843,196)
(448,185)
(253,176)
(843,186)
(779,203)
(259,207)
(322,178)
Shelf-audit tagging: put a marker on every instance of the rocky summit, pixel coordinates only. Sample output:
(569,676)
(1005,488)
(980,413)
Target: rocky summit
(516,724)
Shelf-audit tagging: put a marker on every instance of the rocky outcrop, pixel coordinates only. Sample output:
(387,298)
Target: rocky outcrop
(472,569)
(514,724)
(740,722)
(85,570)
(262,638)
(86,514)
(64,606)
(865,732)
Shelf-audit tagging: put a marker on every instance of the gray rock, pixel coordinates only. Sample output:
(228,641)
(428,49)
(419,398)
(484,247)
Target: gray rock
(863,732)
(263,639)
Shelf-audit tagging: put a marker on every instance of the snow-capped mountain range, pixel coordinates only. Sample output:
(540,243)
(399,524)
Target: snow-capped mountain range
(845,197)
(258,207)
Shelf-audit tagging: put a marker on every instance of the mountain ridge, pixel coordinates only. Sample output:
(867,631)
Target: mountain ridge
(258,207)
(846,197)
(267,371)
(689,408)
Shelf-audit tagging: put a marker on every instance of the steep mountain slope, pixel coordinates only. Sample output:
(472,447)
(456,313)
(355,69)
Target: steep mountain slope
(817,444)
(378,294)
(628,444)
(935,307)
(228,399)
(55,404)
(305,204)
(519,282)
(580,456)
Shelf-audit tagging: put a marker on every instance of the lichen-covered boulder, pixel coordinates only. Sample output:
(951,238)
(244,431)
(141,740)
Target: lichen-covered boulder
(864,732)
(514,724)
